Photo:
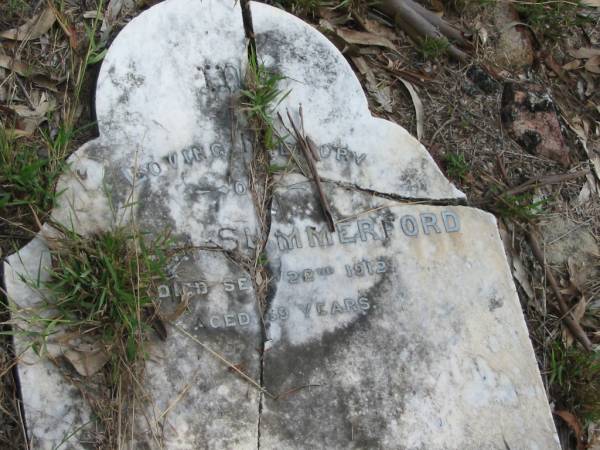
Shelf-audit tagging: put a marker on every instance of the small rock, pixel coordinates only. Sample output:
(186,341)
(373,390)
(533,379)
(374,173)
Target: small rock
(529,114)
(512,43)
(564,239)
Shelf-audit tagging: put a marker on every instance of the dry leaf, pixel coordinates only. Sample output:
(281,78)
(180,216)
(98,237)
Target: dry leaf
(581,127)
(364,38)
(575,64)
(87,363)
(382,95)
(15,65)
(418,107)
(573,422)
(521,274)
(33,28)
(584,52)
(375,27)
(577,273)
(593,64)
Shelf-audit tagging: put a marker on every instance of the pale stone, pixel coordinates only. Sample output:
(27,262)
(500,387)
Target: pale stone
(165,105)
(355,147)
(431,352)
(402,328)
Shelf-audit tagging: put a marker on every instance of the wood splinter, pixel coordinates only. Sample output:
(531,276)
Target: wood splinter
(309,149)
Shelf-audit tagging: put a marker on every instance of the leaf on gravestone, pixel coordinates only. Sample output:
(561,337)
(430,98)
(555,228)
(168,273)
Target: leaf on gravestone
(584,52)
(364,38)
(593,64)
(418,104)
(87,363)
(33,28)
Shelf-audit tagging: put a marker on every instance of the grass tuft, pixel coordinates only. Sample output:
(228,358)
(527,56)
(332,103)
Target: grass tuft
(261,98)
(104,285)
(575,380)
(432,48)
(520,207)
(25,177)
(456,166)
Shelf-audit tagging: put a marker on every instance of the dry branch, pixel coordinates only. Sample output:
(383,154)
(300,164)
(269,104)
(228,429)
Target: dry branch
(572,325)
(419,23)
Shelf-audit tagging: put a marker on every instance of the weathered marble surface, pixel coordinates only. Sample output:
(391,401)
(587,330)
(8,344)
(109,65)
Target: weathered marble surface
(165,106)
(402,329)
(355,147)
(426,349)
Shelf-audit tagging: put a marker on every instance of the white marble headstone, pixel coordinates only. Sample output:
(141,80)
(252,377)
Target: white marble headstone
(400,329)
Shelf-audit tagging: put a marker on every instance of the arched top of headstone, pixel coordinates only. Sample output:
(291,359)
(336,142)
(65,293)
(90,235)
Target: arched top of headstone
(169,116)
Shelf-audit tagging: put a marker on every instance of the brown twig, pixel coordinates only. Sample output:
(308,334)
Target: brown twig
(308,155)
(572,325)
(541,181)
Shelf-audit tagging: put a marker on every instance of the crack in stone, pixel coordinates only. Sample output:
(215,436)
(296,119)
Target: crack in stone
(399,198)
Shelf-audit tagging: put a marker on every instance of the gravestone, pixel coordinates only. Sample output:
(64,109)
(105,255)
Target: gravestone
(399,329)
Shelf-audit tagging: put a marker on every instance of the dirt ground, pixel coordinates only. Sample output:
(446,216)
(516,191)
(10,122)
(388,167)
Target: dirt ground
(516,127)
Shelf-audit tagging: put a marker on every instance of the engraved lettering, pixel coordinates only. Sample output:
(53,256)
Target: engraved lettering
(283,313)
(293,277)
(250,238)
(387,226)
(350,304)
(217,150)
(244,284)
(163,291)
(187,156)
(336,308)
(429,220)
(229,320)
(451,221)
(305,309)
(359,159)
(321,238)
(198,153)
(239,188)
(172,159)
(363,303)
(409,225)
(320,307)
(213,322)
(154,168)
(365,227)
(342,230)
(243,319)
(341,153)
(288,241)
(308,275)
(325,151)
(229,285)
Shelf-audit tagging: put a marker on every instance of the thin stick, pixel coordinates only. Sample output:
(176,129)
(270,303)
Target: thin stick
(313,168)
(572,325)
(550,179)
